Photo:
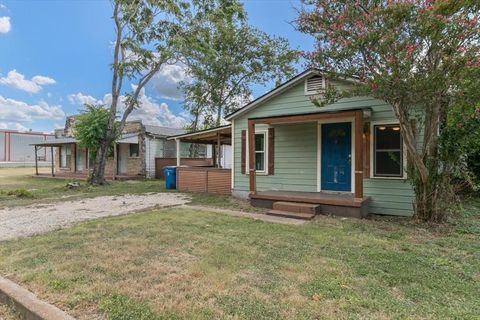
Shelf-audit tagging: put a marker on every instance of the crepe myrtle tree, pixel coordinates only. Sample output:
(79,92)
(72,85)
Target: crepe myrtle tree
(412,54)
(148,36)
(225,56)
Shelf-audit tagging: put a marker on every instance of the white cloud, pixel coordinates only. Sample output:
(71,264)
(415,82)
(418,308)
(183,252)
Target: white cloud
(17,80)
(42,80)
(151,112)
(13,126)
(5,25)
(167,80)
(81,99)
(20,112)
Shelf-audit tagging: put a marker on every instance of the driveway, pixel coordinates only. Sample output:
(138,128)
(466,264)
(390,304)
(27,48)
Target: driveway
(40,218)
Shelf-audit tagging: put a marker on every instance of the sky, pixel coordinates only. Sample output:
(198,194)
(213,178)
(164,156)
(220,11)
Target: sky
(56,55)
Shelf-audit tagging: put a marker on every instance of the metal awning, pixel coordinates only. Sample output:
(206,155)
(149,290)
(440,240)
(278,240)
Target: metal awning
(208,136)
(55,142)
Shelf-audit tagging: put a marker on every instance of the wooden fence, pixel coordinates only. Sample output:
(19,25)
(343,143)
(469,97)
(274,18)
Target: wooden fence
(162,162)
(198,179)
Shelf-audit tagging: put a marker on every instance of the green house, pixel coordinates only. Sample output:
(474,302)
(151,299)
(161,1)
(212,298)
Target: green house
(290,155)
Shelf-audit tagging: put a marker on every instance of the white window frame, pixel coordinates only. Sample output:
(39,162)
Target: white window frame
(65,150)
(247,165)
(373,124)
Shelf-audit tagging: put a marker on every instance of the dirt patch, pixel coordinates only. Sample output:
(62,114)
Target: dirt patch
(34,219)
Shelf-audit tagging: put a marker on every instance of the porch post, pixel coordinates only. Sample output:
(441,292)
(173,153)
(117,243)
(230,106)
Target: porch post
(115,159)
(214,155)
(74,157)
(358,155)
(219,163)
(36,161)
(51,154)
(251,155)
(177,141)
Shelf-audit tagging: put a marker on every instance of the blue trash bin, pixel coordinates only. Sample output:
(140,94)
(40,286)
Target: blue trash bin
(170,173)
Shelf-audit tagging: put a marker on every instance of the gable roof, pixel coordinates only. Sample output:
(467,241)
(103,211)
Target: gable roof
(162,131)
(277,91)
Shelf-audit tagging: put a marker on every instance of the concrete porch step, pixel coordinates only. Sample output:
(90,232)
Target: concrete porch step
(296,207)
(293,215)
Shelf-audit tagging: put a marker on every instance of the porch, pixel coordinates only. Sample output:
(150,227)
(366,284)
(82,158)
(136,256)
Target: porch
(319,172)
(70,161)
(338,204)
(68,175)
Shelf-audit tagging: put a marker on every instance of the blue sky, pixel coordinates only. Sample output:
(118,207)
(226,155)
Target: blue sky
(55,55)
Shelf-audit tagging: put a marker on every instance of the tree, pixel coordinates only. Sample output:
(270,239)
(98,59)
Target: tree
(90,127)
(460,140)
(149,36)
(411,54)
(225,56)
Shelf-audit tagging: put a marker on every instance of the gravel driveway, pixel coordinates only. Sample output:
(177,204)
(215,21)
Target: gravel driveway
(26,221)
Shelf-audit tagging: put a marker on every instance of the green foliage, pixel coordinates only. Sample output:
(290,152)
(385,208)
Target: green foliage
(19,193)
(91,126)
(121,307)
(225,56)
(460,145)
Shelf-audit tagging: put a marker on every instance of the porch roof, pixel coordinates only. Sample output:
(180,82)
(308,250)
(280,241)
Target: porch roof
(310,116)
(208,136)
(55,142)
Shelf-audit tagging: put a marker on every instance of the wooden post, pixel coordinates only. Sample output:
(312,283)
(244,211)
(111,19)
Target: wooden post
(74,157)
(115,159)
(219,162)
(358,155)
(177,141)
(214,155)
(51,154)
(251,155)
(36,161)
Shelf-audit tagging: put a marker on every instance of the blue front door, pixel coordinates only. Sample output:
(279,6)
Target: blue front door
(336,157)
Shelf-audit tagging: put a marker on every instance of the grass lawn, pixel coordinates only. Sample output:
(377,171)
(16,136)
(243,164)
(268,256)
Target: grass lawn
(183,264)
(18,187)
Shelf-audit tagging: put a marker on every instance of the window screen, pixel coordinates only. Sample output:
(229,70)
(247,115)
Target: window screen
(133,149)
(260,151)
(388,151)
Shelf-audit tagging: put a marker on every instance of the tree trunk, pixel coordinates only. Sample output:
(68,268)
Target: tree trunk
(219,116)
(98,172)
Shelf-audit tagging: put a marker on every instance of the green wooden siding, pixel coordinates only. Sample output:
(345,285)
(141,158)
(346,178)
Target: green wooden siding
(295,160)
(296,151)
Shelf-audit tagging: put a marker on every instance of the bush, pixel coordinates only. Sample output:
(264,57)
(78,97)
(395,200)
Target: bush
(20,193)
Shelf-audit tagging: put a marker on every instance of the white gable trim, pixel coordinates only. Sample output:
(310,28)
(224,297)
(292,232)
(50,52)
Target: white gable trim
(277,91)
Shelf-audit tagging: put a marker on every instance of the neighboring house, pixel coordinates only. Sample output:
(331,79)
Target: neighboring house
(348,157)
(134,155)
(15,146)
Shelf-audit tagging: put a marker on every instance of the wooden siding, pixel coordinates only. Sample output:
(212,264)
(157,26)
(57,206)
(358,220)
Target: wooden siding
(197,179)
(296,151)
(162,162)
